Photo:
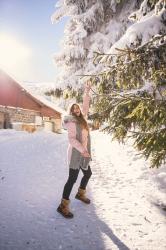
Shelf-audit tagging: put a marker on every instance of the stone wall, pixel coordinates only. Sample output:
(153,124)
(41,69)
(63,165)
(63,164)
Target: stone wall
(2,119)
(12,115)
(57,125)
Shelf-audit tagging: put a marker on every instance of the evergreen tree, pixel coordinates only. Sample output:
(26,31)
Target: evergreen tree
(92,25)
(132,93)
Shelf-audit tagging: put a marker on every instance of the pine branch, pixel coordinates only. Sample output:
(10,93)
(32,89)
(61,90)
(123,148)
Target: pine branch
(147,133)
(127,96)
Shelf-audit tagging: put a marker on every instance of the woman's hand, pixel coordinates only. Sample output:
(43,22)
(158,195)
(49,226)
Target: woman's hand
(86,154)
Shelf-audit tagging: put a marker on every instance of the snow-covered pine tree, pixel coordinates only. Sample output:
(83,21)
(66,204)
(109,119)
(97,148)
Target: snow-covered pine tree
(92,26)
(132,91)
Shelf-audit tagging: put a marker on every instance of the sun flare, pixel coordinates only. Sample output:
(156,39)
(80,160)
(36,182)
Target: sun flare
(13,54)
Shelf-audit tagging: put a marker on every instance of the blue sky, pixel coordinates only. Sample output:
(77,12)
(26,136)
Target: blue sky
(28,22)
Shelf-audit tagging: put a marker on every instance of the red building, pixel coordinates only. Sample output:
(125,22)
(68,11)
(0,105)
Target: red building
(18,105)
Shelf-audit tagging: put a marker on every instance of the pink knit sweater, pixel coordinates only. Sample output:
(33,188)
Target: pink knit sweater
(71,127)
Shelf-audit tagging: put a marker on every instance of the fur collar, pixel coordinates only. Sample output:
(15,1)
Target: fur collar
(69,118)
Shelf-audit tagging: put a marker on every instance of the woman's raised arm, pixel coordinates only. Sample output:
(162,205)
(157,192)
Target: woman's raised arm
(86,99)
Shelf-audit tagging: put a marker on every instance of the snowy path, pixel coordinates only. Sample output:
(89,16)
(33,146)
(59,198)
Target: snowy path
(122,214)
(126,186)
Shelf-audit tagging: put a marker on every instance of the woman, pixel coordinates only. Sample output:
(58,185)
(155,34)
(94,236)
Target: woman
(79,153)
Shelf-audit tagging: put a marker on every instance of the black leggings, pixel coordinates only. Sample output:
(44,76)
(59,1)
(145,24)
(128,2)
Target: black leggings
(73,174)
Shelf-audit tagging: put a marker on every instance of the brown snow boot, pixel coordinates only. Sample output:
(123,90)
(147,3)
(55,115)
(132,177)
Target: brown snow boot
(64,209)
(81,196)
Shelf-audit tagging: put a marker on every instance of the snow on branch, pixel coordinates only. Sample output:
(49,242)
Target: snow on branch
(92,17)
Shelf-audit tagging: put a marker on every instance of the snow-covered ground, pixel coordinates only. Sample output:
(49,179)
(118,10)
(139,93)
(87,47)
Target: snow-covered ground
(128,198)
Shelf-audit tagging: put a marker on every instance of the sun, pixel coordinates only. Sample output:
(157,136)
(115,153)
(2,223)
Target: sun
(14,55)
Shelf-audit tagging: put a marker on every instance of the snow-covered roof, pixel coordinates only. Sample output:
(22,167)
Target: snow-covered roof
(43,100)
(49,104)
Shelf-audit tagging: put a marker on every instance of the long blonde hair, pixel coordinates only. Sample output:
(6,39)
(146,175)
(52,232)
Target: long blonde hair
(80,119)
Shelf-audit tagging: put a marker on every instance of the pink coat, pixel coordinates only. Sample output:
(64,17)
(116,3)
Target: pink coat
(71,128)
